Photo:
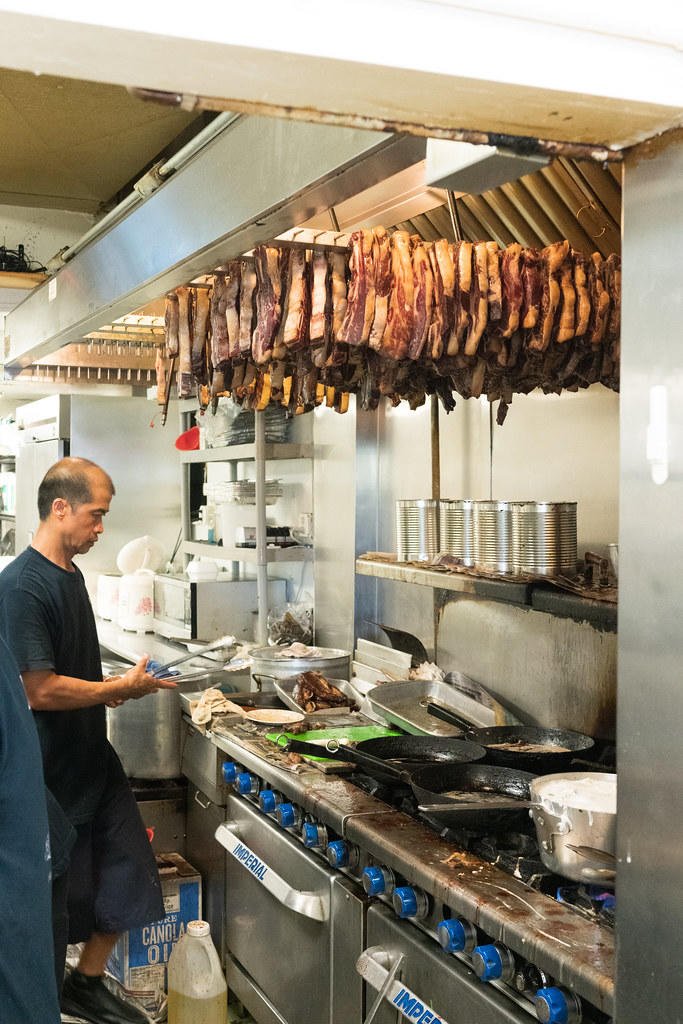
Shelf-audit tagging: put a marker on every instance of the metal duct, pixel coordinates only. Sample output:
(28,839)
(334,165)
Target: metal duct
(256,180)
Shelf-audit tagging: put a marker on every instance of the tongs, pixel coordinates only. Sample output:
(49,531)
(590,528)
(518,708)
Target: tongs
(224,641)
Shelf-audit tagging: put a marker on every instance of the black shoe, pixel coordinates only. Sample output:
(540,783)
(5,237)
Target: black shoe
(88,997)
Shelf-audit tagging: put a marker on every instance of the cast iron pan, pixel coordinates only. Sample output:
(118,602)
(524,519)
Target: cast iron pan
(506,788)
(414,751)
(569,744)
(398,773)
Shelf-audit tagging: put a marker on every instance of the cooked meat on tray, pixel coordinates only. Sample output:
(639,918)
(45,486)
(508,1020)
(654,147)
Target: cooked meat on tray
(312,692)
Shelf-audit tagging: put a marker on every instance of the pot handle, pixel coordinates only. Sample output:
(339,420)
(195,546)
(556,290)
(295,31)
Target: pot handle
(258,678)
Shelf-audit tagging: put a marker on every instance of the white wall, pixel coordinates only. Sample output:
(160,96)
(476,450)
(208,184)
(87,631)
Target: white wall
(42,232)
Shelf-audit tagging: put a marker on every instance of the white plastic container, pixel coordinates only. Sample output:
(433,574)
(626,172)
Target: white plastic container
(108,595)
(197,992)
(136,602)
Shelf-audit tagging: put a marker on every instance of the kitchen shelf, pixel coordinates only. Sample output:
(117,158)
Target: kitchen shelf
(543,597)
(8,516)
(247,453)
(294,553)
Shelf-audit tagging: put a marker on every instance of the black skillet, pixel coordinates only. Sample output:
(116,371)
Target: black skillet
(569,744)
(506,790)
(410,752)
(395,772)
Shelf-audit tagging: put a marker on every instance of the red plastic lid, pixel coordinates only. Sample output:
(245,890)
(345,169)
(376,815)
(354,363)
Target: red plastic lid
(189,441)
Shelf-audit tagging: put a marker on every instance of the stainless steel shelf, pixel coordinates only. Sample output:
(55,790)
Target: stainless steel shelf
(247,453)
(9,516)
(232,554)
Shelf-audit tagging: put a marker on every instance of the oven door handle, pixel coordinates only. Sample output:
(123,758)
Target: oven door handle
(309,904)
(378,967)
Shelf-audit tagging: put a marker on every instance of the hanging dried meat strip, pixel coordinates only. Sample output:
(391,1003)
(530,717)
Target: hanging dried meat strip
(553,257)
(582,309)
(381,257)
(565,326)
(338,268)
(495,288)
(171,324)
(185,381)
(360,310)
(247,306)
(200,339)
(399,327)
(423,297)
(436,327)
(462,293)
(512,290)
(232,312)
(600,301)
(532,281)
(478,299)
(268,263)
(320,275)
(296,318)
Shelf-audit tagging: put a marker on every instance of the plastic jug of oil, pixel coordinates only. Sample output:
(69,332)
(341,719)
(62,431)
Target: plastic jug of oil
(197,993)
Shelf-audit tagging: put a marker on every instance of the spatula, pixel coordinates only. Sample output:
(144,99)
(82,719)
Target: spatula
(224,641)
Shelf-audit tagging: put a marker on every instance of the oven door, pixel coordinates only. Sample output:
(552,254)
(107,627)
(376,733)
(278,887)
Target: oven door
(425,979)
(293,929)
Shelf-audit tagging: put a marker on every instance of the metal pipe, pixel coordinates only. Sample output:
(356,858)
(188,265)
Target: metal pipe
(435,447)
(261,549)
(201,139)
(455,216)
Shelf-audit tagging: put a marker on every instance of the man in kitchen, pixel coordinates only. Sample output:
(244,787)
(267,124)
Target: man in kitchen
(48,623)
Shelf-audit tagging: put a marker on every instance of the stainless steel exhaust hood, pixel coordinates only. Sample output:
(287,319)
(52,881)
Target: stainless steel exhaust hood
(257,179)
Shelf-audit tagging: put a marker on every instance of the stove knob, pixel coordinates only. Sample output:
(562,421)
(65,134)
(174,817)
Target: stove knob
(268,800)
(557,1006)
(287,816)
(410,902)
(313,835)
(456,935)
(378,880)
(230,771)
(338,853)
(246,784)
(493,963)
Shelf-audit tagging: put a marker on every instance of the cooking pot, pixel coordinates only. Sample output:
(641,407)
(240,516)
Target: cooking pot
(146,733)
(268,663)
(575,814)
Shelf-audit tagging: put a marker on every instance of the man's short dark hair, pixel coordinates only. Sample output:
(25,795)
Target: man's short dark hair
(70,479)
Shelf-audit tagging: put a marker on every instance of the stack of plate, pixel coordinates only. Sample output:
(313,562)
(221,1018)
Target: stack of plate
(417,530)
(456,529)
(493,549)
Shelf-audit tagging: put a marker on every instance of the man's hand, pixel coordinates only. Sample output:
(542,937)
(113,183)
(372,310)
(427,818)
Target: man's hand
(137,682)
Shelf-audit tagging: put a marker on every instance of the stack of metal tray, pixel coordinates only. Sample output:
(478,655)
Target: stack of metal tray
(405,704)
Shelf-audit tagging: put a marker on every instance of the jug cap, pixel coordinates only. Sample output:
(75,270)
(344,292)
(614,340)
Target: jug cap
(198,929)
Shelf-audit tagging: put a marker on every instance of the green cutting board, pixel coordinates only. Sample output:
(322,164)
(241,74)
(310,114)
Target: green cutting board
(356,733)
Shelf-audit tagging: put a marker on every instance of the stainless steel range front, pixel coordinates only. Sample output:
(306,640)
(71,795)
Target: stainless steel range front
(342,909)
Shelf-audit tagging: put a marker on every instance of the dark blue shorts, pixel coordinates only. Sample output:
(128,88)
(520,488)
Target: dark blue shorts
(113,878)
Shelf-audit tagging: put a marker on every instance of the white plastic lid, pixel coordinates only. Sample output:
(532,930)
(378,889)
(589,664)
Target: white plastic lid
(198,929)
(141,553)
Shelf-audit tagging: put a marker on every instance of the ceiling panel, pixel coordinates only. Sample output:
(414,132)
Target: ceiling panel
(72,145)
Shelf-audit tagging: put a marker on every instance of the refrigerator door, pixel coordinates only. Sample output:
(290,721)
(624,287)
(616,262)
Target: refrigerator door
(33,462)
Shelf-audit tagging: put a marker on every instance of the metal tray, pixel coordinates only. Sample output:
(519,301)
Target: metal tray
(405,704)
(284,688)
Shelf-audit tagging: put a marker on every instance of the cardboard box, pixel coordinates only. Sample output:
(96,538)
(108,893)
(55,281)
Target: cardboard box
(139,959)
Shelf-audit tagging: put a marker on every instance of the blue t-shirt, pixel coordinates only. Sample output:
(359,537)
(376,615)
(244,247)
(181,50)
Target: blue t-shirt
(28,990)
(47,621)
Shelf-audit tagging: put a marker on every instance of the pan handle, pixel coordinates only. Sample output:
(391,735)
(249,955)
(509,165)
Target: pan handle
(446,715)
(338,752)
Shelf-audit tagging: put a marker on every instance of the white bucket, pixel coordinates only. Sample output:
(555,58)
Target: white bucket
(136,601)
(108,595)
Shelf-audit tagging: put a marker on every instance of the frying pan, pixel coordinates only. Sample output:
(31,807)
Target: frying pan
(569,744)
(430,784)
(398,773)
(414,751)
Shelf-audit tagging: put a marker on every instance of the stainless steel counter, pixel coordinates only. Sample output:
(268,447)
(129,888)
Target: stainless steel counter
(132,646)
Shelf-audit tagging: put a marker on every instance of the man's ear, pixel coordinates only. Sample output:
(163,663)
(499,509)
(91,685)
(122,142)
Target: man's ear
(59,507)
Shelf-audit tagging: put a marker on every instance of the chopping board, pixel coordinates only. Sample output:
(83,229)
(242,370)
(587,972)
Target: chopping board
(353,733)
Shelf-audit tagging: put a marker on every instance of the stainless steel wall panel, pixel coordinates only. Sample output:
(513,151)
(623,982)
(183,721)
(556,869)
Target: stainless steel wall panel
(258,178)
(650,708)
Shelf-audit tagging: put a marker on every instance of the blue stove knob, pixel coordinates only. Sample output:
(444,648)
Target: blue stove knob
(405,901)
(554,1006)
(230,771)
(373,881)
(338,853)
(313,834)
(286,815)
(452,935)
(493,962)
(245,783)
(268,800)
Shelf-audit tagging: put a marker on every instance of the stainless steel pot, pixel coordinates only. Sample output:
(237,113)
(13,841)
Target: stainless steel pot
(268,664)
(146,733)
(575,818)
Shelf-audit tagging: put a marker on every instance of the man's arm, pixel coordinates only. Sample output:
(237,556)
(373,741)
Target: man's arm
(47,691)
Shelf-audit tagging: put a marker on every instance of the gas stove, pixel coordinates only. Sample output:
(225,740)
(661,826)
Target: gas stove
(485,902)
